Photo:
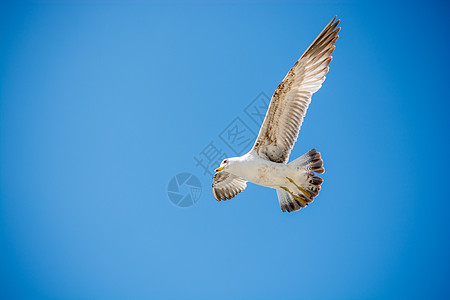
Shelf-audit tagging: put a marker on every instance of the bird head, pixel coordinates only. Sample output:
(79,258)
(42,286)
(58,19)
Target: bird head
(225,164)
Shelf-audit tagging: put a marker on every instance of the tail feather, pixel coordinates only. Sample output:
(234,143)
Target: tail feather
(313,186)
(316,180)
(306,165)
(288,202)
(311,161)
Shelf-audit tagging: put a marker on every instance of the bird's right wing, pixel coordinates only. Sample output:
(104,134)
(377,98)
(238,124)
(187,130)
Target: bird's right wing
(226,186)
(291,99)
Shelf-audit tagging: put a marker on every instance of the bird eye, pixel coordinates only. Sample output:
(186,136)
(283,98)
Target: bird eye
(225,161)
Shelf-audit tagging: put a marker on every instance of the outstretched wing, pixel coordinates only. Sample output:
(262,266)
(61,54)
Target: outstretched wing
(226,186)
(291,99)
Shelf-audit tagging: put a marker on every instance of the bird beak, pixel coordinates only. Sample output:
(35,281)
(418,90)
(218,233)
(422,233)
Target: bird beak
(220,168)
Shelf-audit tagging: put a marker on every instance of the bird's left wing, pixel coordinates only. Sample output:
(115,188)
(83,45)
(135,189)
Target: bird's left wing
(291,99)
(226,186)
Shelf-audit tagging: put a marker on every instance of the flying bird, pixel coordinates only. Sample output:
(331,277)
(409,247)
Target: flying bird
(266,164)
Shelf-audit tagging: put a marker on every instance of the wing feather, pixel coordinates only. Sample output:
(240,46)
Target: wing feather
(291,99)
(226,186)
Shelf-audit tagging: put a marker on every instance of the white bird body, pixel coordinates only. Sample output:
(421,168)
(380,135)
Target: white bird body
(266,163)
(253,168)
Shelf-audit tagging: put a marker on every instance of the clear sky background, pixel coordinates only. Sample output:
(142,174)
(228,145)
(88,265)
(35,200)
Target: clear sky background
(102,103)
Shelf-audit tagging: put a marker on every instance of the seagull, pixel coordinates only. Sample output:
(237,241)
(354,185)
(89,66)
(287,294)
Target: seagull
(266,164)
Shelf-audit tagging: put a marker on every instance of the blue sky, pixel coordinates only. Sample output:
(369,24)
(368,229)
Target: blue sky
(102,103)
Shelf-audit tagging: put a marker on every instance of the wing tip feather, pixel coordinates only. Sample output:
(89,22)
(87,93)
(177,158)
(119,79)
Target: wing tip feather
(332,21)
